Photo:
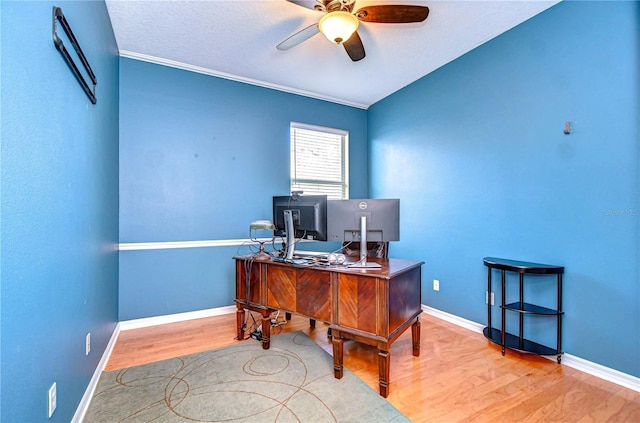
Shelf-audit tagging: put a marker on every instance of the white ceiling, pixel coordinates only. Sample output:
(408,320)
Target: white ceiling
(236,39)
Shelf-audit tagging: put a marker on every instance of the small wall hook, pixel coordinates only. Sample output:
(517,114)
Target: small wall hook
(567,128)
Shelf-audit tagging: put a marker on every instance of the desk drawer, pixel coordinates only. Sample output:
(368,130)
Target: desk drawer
(299,291)
(358,308)
(313,296)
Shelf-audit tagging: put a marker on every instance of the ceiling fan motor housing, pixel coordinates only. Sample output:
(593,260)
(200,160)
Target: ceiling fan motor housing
(335,5)
(338,26)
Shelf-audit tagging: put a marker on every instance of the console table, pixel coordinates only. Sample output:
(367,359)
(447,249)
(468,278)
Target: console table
(372,306)
(519,342)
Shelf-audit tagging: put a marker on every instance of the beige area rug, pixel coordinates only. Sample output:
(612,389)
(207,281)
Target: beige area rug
(290,382)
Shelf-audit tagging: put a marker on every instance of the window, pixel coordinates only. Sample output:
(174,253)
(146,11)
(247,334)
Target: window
(319,161)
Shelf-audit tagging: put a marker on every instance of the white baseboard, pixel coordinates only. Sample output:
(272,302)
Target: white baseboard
(173,318)
(598,370)
(594,369)
(569,360)
(88,393)
(452,318)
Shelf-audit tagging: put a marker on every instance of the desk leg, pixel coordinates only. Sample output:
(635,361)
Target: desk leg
(384,362)
(338,350)
(240,323)
(415,337)
(266,330)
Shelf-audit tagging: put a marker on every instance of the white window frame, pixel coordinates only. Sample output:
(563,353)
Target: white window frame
(322,186)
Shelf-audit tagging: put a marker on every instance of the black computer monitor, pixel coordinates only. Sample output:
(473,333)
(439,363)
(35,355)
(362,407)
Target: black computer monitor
(364,220)
(309,214)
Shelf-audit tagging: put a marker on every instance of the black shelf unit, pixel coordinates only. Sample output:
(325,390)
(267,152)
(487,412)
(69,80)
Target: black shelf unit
(522,308)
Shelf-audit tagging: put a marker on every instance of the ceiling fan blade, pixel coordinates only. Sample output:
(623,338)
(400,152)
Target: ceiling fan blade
(299,37)
(354,47)
(308,4)
(393,14)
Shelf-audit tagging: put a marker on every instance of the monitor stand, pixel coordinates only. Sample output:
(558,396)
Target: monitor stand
(288,227)
(363,264)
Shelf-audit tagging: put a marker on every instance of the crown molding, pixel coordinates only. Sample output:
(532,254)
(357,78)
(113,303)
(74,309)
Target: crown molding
(211,72)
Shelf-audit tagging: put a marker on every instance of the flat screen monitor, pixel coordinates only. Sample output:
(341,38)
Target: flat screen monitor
(382,220)
(365,220)
(309,214)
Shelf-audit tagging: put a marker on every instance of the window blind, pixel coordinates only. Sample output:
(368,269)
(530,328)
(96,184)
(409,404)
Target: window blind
(319,161)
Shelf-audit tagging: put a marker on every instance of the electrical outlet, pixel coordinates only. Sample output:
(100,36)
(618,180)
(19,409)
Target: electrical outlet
(486,297)
(88,344)
(436,285)
(53,399)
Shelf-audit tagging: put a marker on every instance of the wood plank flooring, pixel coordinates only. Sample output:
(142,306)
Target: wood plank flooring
(459,376)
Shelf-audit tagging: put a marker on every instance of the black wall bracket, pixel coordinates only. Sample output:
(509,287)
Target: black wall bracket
(58,16)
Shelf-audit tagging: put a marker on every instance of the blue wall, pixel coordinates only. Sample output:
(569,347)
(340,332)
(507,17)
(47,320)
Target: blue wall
(59,210)
(474,150)
(477,154)
(201,158)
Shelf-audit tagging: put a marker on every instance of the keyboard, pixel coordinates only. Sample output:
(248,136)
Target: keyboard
(301,262)
(310,254)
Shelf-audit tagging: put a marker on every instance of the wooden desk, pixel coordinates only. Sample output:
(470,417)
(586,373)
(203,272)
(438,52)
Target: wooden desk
(372,306)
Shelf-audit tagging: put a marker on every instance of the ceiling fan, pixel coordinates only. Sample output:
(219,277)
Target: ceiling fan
(340,23)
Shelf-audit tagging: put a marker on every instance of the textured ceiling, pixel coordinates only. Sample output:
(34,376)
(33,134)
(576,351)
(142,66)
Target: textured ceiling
(237,40)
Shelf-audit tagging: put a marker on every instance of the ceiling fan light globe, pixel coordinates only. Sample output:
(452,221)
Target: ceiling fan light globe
(338,26)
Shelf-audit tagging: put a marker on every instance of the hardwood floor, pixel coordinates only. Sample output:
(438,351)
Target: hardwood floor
(459,376)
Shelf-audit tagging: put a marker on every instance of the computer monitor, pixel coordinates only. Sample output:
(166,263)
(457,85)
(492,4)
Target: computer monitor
(364,220)
(306,213)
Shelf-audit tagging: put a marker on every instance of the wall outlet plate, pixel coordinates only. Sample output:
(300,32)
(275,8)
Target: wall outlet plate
(53,399)
(486,297)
